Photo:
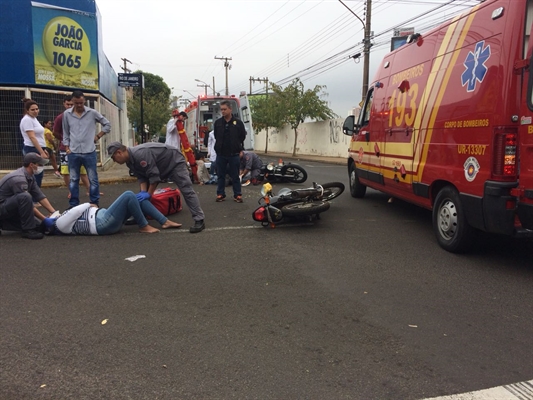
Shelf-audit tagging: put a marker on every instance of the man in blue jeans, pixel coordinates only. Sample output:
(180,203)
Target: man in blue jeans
(229,138)
(79,138)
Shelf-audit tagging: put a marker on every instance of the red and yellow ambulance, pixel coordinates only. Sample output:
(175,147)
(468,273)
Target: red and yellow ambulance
(447,124)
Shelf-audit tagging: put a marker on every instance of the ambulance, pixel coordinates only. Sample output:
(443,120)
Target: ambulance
(205,110)
(447,124)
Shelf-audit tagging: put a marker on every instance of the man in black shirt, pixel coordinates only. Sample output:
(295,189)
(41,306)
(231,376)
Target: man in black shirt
(229,138)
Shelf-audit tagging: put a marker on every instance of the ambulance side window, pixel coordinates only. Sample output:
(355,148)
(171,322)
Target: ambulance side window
(364,118)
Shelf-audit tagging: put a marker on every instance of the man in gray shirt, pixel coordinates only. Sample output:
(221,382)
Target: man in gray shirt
(79,138)
(18,192)
(152,163)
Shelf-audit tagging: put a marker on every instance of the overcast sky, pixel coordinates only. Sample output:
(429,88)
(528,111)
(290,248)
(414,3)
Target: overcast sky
(275,39)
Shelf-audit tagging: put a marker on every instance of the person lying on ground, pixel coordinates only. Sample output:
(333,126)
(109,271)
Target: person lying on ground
(88,219)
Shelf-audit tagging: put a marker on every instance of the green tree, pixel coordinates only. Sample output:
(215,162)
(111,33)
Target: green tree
(266,113)
(297,105)
(156,104)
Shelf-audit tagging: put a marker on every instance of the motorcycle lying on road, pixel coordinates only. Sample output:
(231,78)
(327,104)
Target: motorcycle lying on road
(282,172)
(299,203)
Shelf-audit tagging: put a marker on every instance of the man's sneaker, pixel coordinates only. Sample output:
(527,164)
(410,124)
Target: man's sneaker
(199,226)
(220,198)
(238,199)
(32,234)
(246,183)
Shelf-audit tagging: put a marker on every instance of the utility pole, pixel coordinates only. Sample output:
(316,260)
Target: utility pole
(366,41)
(367,45)
(125,67)
(205,86)
(227,66)
(265,80)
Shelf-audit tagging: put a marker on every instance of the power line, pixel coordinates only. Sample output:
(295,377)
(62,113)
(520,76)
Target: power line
(333,62)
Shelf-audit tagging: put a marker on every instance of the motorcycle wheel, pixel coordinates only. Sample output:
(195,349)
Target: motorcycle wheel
(304,209)
(294,173)
(332,190)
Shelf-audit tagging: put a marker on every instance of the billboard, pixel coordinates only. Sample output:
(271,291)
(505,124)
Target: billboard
(65,47)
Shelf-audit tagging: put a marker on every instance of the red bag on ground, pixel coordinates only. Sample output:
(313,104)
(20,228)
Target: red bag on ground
(167,200)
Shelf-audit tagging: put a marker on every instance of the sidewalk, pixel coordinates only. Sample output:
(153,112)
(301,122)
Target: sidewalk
(115,174)
(120,173)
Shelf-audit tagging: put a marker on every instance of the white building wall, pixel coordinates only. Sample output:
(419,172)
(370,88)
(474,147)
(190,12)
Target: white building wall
(324,138)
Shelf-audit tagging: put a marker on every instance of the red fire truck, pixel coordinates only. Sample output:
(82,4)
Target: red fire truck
(447,124)
(205,110)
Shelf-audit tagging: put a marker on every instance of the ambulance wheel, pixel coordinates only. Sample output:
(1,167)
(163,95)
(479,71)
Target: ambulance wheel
(357,189)
(449,222)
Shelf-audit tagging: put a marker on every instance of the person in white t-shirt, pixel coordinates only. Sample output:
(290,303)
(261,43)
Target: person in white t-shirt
(33,134)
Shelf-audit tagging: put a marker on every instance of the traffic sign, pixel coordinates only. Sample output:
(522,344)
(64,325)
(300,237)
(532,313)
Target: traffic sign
(130,80)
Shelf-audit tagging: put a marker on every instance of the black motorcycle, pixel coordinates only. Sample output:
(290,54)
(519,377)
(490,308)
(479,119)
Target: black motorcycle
(298,203)
(282,172)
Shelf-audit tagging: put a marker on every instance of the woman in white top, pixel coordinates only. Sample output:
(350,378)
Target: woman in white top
(87,219)
(33,133)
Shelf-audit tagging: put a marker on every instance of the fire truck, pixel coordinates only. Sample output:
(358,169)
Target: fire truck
(447,124)
(205,110)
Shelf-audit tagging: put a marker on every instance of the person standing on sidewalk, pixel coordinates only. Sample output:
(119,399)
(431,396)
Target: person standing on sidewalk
(229,138)
(79,127)
(63,158)
(18,192)
(33,134)
(152,163)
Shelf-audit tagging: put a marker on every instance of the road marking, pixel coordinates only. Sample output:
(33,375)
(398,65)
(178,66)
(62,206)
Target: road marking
(227,228)
(516,391)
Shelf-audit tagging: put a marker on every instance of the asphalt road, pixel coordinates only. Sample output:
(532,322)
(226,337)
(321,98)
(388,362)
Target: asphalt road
(361,304)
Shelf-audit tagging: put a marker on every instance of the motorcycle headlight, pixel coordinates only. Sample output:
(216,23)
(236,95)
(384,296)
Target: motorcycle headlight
(270,167)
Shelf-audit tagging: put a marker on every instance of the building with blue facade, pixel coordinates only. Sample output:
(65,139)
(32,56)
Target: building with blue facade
(47,50)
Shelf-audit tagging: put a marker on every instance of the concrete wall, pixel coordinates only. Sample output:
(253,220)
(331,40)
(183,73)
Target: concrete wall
(324,138)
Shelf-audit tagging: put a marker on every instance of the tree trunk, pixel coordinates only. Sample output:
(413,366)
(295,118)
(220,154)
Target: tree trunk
(266,142)
(295,140)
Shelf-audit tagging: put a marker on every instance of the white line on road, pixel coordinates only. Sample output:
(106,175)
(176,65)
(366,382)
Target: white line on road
(516,391)
(184,229)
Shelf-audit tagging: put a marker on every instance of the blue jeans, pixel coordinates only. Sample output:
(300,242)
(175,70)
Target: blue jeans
(149,209)
(31,149)
(88,160)
(110,220)
(228,165)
